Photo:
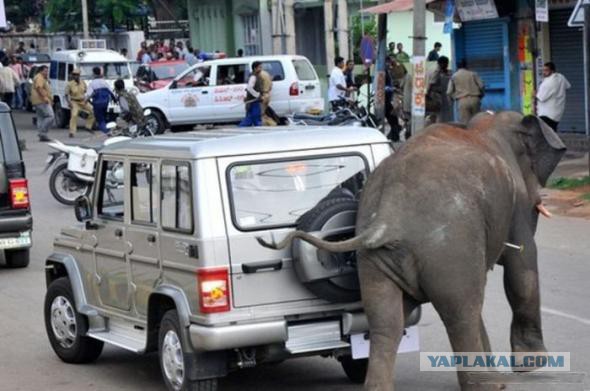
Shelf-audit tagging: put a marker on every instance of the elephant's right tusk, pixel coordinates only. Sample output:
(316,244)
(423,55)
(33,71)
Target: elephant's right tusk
(514,246)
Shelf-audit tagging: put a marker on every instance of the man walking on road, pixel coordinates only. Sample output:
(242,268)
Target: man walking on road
(252,100)
(467,89)
(337,85)
(41,100)
(76,97)
(551,96)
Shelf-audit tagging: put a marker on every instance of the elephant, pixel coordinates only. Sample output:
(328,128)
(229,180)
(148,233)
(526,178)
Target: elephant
(434,217)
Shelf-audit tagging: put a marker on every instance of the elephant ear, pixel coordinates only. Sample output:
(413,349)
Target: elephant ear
(544,147)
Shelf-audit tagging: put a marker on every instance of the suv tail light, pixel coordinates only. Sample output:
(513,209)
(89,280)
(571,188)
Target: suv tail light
(19,193)
(213,290)
(294,89)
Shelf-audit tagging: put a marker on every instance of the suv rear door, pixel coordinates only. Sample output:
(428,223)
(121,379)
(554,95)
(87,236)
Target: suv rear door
(263,196)
(308,83)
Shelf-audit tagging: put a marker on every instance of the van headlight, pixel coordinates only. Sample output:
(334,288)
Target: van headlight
(134,90)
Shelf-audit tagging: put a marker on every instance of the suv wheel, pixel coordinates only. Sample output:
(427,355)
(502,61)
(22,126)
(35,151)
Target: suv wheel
(61,115)
(66,327)
(356,370)
(173,358)
(155,123)
(17,258)
(332,212)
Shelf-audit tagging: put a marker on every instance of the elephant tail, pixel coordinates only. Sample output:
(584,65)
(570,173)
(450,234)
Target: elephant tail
(372,237)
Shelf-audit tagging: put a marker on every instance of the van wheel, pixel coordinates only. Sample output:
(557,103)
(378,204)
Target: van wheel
(356,370)
(66,328)
(17,258)
(155,122)
(62,116)
(329,214)
(174,358)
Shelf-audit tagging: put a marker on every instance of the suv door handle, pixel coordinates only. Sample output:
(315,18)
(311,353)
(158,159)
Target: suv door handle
(204,92)
(310,87)
(253,267)
(151,238)
(118,232)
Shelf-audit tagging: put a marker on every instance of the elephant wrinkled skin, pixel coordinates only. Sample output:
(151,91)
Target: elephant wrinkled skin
(434,218)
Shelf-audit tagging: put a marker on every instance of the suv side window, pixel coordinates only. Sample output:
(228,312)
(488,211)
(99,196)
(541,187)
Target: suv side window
(176,203)
(198,77)
(61,71)
(275,69)
(231,74)
(53,70)
(111,196)
(143,193)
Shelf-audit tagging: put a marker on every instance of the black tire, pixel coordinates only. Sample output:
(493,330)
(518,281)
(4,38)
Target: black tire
(54,178)
(181,128)
(340,289)
(78,350)
(17,258)
(356,370)
(155,122)
(62,116)
(170,330)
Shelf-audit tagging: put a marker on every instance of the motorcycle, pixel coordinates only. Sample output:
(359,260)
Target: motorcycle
(73,166)
(350,113)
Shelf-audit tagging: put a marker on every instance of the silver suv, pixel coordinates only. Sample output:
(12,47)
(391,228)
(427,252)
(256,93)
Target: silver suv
(167,257)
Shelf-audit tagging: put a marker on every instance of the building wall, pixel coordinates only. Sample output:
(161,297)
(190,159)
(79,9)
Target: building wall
(211,25)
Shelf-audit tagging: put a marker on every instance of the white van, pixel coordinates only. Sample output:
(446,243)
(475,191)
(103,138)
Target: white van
(214,91)
(92,53)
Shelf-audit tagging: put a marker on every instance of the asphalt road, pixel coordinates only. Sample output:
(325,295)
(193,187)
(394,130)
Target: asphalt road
(27,362)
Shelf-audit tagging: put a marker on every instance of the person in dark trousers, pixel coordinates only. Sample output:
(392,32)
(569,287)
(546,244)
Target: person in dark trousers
(390,115)
(433,55)
(100,95)
(252,100)
(349,73)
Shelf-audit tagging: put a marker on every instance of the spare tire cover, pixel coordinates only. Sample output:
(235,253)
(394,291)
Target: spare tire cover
(330,276)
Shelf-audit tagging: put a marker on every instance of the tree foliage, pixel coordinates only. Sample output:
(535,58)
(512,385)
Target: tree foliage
(66,15)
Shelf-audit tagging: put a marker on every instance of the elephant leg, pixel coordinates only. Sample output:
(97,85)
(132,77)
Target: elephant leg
(521,284)
(383,304)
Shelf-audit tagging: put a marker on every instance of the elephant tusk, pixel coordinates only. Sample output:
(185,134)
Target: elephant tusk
(514,246)
(541,208)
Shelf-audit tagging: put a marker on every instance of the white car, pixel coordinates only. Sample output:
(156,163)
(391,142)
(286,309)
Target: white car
(91,54)
(214,91)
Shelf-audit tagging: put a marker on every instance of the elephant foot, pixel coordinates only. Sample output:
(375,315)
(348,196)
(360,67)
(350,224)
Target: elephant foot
(526,361)
(481,381)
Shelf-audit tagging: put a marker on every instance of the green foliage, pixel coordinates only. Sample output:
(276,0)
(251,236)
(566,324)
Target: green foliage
(370,26)
(569,183)
(586,196)
(66,15)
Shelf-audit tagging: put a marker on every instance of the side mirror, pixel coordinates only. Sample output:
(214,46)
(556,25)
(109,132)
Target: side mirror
(83,209)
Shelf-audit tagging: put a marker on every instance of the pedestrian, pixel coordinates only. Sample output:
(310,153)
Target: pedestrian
(390,114)
(131,110)
(437,101)
(407,85)
(9,81)
(433,55)
(349,73)
(21,48)
(252,99)
(143,49)
(467,89)
(19,102)
(147,55)
(76,97)
(337,89)
(100,95)
(240,52)
(32,48)
(391,49)
(124,52)
(41,100)
(266,89)
(551,96)
(401,56)
(190,58)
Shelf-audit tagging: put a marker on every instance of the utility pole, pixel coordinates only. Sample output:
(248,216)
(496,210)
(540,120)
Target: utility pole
(85,19)
(419,65)
(587,73)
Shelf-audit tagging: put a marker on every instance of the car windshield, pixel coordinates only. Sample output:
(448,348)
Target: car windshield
(112,70)
(273,194)
(169,71)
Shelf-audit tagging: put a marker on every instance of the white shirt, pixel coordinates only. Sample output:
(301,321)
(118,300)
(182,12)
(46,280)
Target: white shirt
(96,84)
(336,78)
(551,96)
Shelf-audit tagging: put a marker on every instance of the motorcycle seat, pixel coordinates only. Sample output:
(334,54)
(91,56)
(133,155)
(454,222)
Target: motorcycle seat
(311,117)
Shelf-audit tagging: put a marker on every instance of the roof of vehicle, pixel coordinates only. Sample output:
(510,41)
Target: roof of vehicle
(4,108)
(245,141)
(241,60)
(89,55)
(31,58)
(164,63)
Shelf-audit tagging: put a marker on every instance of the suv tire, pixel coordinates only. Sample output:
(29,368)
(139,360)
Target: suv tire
(356,370)
(17,258)
(316,220)
(155,122)
(62,117)
(173,354)
(66,328)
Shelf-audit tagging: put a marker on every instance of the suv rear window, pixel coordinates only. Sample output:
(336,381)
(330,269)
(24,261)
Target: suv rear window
(10,151)
(304,70)
(276,193)
(275,69)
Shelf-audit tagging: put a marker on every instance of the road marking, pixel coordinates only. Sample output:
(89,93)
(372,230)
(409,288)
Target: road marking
(565,315)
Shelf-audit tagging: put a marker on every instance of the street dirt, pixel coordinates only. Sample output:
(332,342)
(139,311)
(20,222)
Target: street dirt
(568,202)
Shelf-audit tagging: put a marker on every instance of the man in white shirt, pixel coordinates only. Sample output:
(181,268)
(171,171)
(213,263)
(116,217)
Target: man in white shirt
(337,85)
(551,96)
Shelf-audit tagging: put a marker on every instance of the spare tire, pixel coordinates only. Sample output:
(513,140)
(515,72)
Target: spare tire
(330,276)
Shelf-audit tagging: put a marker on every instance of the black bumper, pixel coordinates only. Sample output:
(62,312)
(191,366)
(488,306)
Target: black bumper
(15,223)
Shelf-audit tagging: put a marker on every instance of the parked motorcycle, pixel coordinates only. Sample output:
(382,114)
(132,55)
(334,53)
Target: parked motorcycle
(350,113)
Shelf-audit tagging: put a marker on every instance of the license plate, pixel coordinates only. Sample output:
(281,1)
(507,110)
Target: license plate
(360,343)
(24,240)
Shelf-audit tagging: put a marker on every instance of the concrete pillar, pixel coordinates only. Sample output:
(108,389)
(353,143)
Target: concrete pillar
(265,27)
(343,42)
(290,44)
(329,26)
(278,26)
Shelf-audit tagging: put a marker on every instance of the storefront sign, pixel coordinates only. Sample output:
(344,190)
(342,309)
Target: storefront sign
(419,86)
(542,10)
(476,9)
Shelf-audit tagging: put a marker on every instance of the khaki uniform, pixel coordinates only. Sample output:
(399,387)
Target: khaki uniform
(266,88)
(467,89)
(76,92)
(40,82)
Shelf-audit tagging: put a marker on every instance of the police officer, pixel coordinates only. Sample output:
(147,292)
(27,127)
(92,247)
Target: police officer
(76,98)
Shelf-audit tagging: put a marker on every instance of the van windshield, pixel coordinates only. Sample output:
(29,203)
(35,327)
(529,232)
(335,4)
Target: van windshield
(111,70)
(277,193)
